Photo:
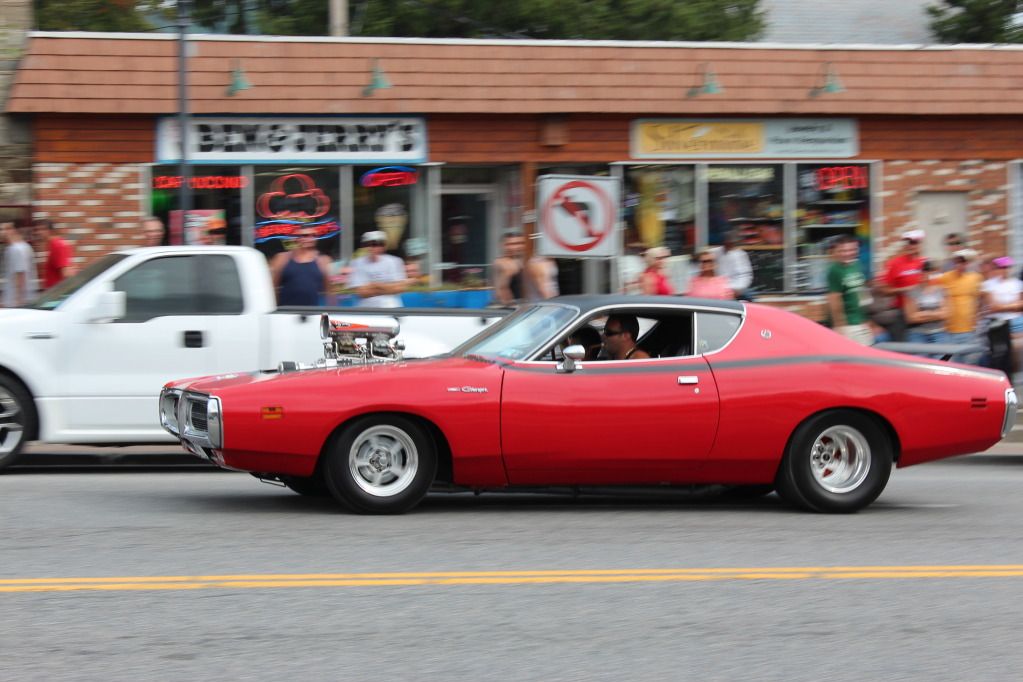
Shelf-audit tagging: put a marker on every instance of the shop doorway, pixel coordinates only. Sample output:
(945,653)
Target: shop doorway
(937,214)
(468,241)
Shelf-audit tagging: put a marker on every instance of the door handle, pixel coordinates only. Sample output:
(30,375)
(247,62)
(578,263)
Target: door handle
(688,380)
(193,339)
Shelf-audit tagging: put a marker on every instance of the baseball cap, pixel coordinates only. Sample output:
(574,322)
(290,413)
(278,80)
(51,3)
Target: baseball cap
(374,236)
(914,235)
(1003,262)
(965,254)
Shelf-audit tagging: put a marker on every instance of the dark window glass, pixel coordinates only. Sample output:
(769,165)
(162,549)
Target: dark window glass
(216,214)
(223,286)
(181,285)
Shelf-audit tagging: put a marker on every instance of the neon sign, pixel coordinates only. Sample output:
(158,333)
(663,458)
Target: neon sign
(390,176)
(841,177)
(201,182)
(293,202)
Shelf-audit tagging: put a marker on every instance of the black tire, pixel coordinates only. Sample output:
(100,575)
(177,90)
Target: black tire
(837,462)
(17,420)
(312,486)
(381,464)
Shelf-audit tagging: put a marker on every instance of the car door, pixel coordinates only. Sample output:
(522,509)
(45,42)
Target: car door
(608,423)
(176,309)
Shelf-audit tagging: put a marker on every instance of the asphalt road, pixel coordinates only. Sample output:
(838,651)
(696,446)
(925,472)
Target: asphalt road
(197,574)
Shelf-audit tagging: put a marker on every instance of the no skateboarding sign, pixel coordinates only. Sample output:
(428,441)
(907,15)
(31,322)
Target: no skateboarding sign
(577,215)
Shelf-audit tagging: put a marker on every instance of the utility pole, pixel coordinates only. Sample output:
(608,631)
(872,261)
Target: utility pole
(338,17)
(185,191)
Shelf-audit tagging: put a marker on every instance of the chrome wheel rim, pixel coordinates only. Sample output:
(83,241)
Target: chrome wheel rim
(840,459)
(383,460)
(12,428)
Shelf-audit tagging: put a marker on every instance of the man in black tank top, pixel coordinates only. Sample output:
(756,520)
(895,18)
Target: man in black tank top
(506,272)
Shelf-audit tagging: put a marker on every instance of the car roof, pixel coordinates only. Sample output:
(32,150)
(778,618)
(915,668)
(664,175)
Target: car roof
(588,302)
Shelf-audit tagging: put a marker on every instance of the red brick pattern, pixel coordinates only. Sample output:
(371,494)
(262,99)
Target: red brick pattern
(95,206)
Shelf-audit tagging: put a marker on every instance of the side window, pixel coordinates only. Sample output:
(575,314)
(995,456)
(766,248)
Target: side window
(223,286)
(181,285)
(714,330)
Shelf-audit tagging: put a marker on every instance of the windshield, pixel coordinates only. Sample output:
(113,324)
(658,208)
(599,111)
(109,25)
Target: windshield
(54,296)
(519,334)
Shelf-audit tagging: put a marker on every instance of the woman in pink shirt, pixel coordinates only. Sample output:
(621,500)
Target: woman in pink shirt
(706,283)
(655,282)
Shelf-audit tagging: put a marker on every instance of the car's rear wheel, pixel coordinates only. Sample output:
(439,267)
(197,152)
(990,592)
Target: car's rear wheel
(381,464)
(310,486)
(836,462)
(17,419)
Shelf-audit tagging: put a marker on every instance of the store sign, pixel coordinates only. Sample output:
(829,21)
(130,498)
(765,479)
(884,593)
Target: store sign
(390,176)
(201,181)
(292,202)
(741,138)
(740,174)
(275,140)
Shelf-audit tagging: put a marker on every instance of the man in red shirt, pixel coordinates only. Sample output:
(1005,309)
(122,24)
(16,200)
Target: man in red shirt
(58,253)
(903,272)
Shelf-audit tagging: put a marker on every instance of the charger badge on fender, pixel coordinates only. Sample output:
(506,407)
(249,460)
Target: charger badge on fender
(467,389)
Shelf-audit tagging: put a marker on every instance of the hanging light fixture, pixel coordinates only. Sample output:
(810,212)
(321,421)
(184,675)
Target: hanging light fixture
(830,85)
(378,80)
(709,86)
(238,80)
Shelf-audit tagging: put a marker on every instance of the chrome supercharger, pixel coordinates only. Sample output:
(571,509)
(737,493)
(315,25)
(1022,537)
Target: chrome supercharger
(353,343)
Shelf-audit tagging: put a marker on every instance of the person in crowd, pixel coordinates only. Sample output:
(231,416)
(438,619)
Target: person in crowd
(507,269)
(953,243)
(734,264)
(19,269)
(1002,298)
(589,338)
(927,309)
(707,283)
(654,280)
(378,277)
(962,288)
(301,275)
(846,286)
(152,231)
(57,262)
(540,278)
(903,272)
(620,334)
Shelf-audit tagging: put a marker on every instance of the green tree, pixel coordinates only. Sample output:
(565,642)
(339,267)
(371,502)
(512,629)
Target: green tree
(976,21)
(89,15)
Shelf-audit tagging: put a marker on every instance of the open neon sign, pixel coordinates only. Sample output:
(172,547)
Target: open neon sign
(201,181)
(842,177)
(390,176)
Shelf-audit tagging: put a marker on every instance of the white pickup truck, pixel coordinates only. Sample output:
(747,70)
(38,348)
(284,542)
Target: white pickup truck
(85,363)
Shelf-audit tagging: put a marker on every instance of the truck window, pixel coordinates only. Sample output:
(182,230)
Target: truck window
(181,285)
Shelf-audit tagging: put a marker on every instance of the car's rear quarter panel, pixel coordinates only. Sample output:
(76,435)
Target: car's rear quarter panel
(781,369)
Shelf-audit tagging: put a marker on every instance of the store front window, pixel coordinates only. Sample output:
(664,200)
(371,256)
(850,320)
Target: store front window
(748,201)
(288,198)
(216,215)
(660,208)
(382,200)
(833,200)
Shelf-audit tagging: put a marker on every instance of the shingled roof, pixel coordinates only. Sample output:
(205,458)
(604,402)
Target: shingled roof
(100,73)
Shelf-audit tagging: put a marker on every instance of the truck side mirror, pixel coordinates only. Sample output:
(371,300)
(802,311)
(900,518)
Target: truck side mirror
(110,306)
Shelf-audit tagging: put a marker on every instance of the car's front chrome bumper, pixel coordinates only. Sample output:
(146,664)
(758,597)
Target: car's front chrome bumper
(194,418)
(1011,405)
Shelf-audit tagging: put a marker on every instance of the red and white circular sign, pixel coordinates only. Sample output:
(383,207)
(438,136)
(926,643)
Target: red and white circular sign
(577,215)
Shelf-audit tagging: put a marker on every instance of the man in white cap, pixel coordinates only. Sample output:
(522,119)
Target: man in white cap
(904,271)
(378,277)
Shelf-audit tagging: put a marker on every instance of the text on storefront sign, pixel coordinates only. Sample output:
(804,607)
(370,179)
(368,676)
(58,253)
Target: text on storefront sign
(201,182)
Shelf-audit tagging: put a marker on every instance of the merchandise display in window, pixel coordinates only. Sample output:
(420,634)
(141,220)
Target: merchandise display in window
(833,201)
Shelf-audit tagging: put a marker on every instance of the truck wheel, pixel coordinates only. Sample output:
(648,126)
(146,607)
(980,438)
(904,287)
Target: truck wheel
(381,464)
(17,419)
(837,462)
(311,486)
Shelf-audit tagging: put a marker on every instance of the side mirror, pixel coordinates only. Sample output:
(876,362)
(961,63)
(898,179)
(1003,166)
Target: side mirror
(573,355)
(111,305)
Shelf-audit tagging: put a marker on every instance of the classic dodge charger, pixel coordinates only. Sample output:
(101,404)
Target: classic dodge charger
(713,392)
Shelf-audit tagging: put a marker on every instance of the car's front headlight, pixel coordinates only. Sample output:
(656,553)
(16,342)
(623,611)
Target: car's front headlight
(169,398)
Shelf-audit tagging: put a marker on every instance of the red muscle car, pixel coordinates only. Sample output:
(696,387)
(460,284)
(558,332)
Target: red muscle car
(732,393)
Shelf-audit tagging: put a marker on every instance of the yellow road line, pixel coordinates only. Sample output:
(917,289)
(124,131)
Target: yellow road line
(541,577)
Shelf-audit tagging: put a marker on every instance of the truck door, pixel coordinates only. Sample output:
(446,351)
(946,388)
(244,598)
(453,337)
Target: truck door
(177,309)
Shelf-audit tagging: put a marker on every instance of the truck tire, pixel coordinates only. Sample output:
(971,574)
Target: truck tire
(17,419)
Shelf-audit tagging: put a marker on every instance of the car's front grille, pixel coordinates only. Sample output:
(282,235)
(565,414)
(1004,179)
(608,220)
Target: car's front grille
(197,416)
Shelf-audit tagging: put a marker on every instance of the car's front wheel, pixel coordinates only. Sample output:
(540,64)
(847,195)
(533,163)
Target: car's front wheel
(381,464)
(17,419)
(836,462)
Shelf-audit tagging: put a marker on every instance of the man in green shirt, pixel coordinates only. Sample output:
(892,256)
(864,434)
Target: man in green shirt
(846,287)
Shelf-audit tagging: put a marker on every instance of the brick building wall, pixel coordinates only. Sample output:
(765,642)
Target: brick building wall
(96,206)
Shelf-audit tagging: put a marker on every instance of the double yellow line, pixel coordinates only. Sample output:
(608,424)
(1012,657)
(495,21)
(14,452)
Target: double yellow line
(654,575)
